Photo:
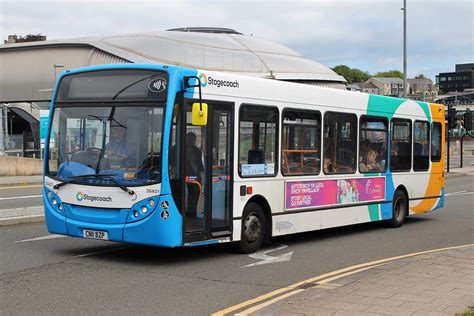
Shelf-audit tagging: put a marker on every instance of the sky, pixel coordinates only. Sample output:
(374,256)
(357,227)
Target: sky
(364,34)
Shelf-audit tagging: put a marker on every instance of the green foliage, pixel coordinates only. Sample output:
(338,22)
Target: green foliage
(351,74)
(390,73)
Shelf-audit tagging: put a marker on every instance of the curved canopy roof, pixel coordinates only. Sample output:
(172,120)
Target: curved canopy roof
(203,48)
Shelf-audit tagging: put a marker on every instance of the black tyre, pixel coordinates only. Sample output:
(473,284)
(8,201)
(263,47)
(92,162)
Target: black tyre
(253,228)
(399,209)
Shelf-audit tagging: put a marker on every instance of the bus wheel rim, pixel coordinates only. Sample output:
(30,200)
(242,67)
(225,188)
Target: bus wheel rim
(252,228)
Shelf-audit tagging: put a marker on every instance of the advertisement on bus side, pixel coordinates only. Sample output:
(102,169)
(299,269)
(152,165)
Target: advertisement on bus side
(304,194)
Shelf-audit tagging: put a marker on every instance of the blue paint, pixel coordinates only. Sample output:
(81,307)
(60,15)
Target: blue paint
(441,201)
(154,230)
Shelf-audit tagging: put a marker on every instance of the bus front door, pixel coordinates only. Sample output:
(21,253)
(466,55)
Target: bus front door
(208,175)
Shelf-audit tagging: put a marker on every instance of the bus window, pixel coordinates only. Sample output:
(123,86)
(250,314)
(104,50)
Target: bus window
(436,142)
(301,147)
(400,145)
(421,135)
(340,138)
(373,145)
(257,140)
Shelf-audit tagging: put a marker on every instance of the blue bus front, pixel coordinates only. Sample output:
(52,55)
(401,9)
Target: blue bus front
(106,172)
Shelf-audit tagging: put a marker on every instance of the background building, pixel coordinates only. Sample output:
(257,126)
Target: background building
(459,80)
(29,70)
(422,89)
(386,86)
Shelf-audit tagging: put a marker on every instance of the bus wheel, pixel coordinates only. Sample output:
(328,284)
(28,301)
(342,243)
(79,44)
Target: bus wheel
(253,228)
(399,209)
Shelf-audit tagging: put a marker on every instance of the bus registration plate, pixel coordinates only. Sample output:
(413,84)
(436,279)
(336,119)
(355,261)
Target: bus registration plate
(95,234)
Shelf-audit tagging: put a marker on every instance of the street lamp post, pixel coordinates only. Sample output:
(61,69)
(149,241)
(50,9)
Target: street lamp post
(56,66)
(404,9)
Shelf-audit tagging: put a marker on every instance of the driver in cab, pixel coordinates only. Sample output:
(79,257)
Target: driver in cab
(117,146)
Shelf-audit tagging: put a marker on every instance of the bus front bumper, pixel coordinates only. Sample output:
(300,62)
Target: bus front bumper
(162,227)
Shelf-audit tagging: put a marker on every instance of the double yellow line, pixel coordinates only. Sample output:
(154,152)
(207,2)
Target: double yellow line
(265,300)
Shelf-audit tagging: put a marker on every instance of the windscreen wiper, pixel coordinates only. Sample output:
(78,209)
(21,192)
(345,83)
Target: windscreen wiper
(100,176)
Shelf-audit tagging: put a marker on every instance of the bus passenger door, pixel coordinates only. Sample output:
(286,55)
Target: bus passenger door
(220,169)
(207,164)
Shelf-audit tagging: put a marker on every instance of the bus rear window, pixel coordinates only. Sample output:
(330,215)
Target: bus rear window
(436,142)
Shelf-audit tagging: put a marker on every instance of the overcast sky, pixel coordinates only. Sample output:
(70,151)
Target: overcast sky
(365,34)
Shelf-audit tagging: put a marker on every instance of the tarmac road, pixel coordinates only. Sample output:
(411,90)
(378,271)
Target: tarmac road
(17,196)
(67,275)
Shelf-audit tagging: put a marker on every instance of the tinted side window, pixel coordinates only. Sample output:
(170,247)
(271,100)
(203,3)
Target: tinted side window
(373,145)
(340,143)
(436,142)
(301,147)
(421,149)
(400,145)
(257,140)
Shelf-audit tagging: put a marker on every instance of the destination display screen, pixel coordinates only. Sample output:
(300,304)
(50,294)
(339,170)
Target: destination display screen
(114,85)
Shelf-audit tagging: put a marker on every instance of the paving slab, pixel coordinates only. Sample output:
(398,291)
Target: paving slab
(415,292)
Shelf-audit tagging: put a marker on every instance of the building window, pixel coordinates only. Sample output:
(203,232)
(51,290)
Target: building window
(373,145)
(340,137)
(301,143)
(421,141)
(400,145)
(257,140)
(436,142)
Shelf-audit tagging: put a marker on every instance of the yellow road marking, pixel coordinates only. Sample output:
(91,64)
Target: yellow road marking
(324,278)
(23,186)
(270,302)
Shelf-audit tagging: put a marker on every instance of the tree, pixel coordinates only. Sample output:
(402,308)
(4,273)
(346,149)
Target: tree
(351,74)
(390,73)
(420,76)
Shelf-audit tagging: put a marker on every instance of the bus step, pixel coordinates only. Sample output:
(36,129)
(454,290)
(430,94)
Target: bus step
(221,233)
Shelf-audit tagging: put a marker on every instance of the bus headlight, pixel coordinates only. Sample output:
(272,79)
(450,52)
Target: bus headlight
(151,203)
(54,202)
(144,209)
(50,194)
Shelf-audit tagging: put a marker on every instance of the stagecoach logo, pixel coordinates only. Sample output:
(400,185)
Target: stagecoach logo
(93,198)
(205,80)
(157,85)
(79,196)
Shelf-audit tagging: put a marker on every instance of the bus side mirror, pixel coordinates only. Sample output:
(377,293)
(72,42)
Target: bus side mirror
(199,114)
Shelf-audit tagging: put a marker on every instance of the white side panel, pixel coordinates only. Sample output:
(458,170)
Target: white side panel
(308,221)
